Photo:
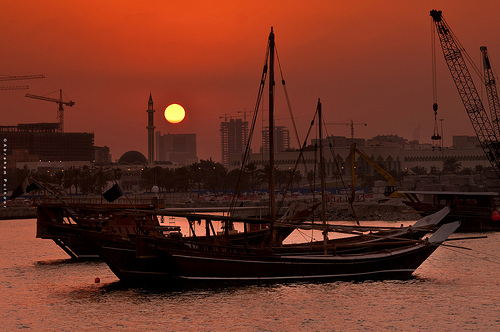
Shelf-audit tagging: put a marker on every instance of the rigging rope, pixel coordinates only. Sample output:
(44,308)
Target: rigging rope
(463,253)
(250,135)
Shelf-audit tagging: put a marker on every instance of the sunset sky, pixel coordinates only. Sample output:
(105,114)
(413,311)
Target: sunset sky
(368,61)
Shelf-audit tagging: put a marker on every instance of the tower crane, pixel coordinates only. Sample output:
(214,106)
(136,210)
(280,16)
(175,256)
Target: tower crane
(60,102)
(491,90)
(21,77)
(452,51)
(351,124)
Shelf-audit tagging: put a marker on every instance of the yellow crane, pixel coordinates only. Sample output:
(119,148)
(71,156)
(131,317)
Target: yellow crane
(390,190)
(60,102)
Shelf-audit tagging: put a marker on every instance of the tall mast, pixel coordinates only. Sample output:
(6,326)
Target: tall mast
(322,176)
(272,199)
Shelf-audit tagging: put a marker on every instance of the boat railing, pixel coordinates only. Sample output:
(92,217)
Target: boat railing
(139,200)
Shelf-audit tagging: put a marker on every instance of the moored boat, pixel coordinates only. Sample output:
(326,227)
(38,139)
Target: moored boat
(476,210)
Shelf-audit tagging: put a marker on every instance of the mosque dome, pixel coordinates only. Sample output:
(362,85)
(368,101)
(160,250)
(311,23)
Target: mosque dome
(132,157)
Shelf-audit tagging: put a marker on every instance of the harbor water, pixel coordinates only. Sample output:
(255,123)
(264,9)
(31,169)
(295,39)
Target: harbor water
(43,290)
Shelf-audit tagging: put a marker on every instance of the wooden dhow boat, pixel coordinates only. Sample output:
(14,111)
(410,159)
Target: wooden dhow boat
(160,261)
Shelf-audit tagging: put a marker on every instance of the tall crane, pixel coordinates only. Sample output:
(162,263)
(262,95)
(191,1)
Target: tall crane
(60,102)
(478,117)
(21,77)
(351,124)
(491,90)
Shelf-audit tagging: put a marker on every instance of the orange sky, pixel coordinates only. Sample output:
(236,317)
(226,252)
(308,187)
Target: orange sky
(369,61)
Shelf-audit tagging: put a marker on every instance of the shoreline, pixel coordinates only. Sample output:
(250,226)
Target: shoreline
(392,210)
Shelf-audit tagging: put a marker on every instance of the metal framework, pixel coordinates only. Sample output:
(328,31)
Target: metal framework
(491,90)
(60,109)
(466,89)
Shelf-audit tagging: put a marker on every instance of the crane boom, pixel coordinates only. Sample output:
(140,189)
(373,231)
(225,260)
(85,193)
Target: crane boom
(60,102)
(467,90)
(22,77)
(491,90)
(14,87)
(351,124)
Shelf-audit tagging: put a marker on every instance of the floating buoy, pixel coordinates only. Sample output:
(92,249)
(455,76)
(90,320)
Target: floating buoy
(97,280)
(495,216)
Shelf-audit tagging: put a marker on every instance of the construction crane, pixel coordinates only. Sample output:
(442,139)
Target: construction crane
(351,124)
(22,77)
(60,102)
(491,90)
(452,51)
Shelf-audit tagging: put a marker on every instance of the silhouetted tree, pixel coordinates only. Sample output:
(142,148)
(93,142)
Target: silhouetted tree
(451,165)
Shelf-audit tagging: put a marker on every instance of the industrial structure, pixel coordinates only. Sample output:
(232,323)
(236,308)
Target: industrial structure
(455,60)
(46,142)
(60,109)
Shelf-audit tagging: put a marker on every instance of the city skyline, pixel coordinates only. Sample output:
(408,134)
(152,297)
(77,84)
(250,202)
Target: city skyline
(368,62)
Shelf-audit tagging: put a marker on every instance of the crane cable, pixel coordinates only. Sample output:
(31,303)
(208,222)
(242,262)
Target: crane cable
(435,136)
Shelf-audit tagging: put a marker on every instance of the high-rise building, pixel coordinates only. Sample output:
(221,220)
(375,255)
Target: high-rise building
(234,137)
(281,139)
(45,141)
(176,148)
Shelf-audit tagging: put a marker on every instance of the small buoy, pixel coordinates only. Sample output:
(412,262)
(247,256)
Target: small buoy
(97,280)
(495,216)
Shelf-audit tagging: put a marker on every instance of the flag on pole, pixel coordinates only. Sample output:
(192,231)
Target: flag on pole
(113,193)
(33,186)
(21,189)
(24,188)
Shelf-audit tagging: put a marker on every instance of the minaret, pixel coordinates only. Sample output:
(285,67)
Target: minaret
(151,129)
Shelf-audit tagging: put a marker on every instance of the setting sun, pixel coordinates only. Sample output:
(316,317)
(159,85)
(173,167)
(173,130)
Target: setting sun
(174,113)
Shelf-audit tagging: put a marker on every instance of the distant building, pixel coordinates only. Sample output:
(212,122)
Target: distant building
(176,148)
(394,154)
(233,137)
(340,141)
(281,139)
(44,140)
(387,140)
(466,142)
(131,164)
(19,156)
(102,155)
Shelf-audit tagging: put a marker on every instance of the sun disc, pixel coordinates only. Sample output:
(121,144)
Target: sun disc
(174,113)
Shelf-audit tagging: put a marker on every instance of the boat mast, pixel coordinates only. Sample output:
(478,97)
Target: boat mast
(272,199)
(322,177)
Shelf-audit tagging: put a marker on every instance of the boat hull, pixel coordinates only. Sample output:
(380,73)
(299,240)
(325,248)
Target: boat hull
(171,261)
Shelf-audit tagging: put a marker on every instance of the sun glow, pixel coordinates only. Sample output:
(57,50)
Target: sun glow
(174,113)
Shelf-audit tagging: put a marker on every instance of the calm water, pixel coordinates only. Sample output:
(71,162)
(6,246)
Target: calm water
(41,290)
